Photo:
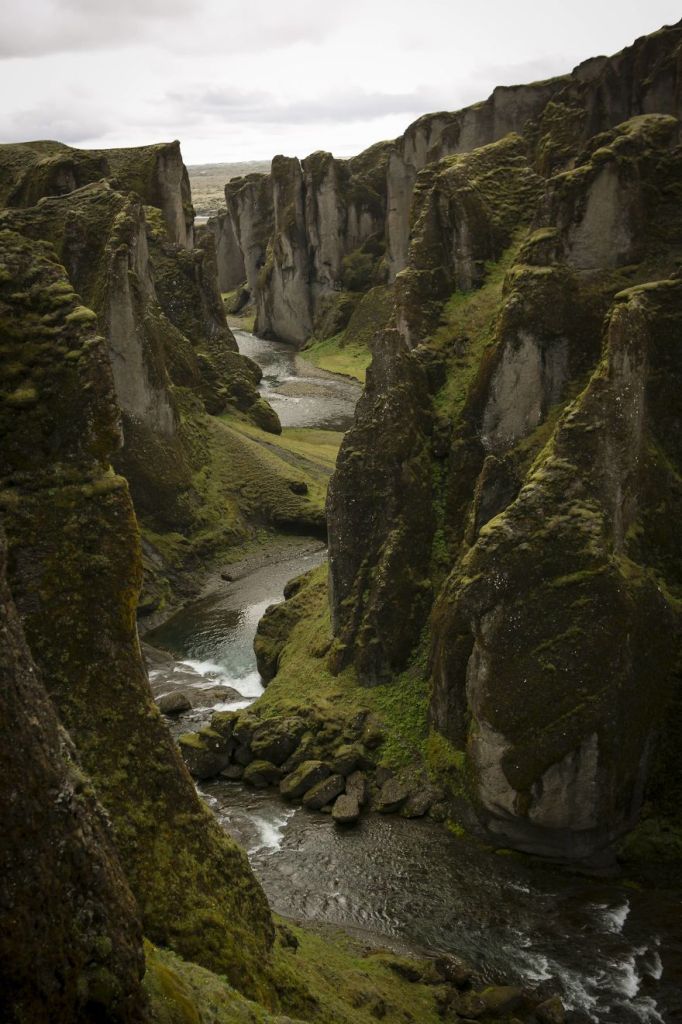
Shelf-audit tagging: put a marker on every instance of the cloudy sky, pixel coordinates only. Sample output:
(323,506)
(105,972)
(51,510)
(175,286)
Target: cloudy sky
(243,81)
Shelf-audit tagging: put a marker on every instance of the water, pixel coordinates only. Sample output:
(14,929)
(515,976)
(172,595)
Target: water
(212,638)
(614,952)
(301,394)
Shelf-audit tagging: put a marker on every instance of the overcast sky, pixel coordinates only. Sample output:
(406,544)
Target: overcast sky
(243,81)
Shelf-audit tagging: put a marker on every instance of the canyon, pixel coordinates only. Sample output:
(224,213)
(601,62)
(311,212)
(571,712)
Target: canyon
(494,641)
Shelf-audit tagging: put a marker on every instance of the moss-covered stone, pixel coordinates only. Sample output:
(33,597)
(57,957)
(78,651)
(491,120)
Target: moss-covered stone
(75,572)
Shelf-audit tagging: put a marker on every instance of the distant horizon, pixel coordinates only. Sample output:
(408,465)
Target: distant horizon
(287,81)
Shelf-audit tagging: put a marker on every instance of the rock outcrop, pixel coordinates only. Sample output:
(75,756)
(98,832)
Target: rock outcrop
(31,170)
(510,470)
(71,942)
(74,572)
(313,232)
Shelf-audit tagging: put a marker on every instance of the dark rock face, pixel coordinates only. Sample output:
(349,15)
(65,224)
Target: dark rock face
(511,471)
(312,233)
(381,492)
(74,571)
(71,942)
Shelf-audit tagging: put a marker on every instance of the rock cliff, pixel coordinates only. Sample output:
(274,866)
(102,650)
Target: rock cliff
(74,571)
(324,229)
(510,469)
(71,943)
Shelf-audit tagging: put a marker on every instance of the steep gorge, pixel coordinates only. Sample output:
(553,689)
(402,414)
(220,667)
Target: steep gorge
(500,624)
(512,469)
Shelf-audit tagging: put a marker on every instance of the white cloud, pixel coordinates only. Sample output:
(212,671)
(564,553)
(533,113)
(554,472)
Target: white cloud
(233,81)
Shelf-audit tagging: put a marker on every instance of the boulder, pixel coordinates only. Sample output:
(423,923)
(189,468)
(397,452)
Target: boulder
(324,792)
(233,772)
(174,703)
(551,1011)
(372,732)
(223,722)
(346,810)
(205,753)
(156,658)
(502,1000)
(206,696)
(347,758)
(392,796)
(262,774)
(303,778)
(357,786)
(276,740)
(454,971)
(469,1005)
(243,754)
(418,803)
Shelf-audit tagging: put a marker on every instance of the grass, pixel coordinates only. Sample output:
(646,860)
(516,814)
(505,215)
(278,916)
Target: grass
(471,316)
(331,354)
(296,454)
(304,679)
(324,978)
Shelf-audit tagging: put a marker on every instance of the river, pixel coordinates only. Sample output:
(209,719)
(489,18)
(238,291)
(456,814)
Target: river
(613,950)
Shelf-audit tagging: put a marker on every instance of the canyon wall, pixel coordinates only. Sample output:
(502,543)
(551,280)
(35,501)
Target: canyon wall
(320,232)
(74,573)
(512,470)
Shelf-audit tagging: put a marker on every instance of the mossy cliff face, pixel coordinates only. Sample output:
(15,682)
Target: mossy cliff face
(249,210)
(169,343)
(283,298)
(379,587)
(71,944)
(326,226)
(229,256)
(305,233)
(466,210)
(75,572)
(535,308)
(31,170)
(553,646)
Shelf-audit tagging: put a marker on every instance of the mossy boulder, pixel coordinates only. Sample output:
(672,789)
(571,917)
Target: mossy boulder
(303,778)
(261,774)
(323,792)
(205,753)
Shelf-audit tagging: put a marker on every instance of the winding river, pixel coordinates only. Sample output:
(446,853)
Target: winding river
(612,949)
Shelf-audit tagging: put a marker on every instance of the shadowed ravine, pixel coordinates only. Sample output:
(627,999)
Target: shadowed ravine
(612,949)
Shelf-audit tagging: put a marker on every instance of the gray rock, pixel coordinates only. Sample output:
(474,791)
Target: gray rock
(324,792)
(501,1000)
(243,755)
(454,971)
(347,758)
(417,804)
(174,703)
(205,753)
(392,796)
(206,696)
(382,775)
(551,1011)
(357,786)
(262,774)
(156,658)
(346,810)
(438,811)
(303,778)
(234,772)
(277,740)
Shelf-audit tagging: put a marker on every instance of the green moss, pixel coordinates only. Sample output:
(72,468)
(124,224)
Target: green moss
(333,355)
